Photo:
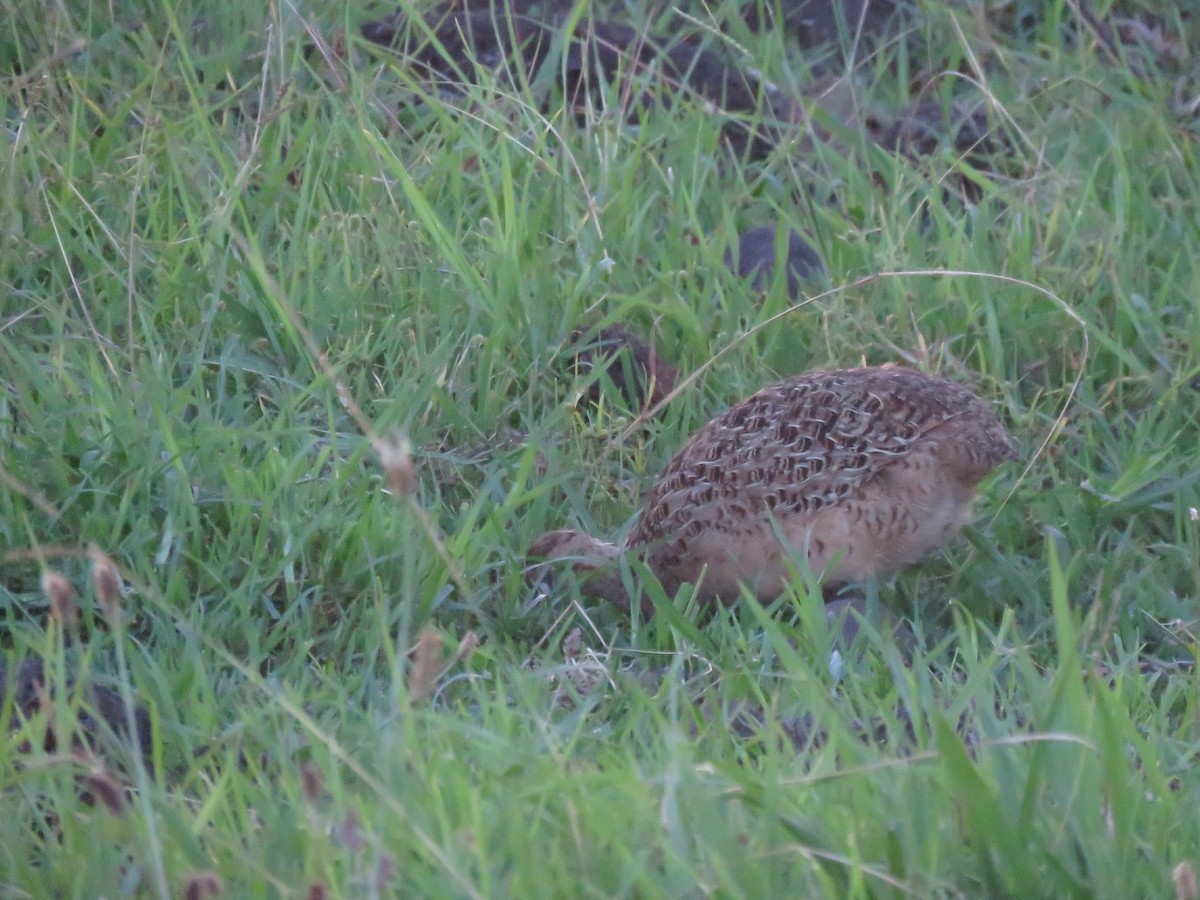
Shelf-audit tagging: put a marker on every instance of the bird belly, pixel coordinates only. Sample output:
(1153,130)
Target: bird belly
(852,541)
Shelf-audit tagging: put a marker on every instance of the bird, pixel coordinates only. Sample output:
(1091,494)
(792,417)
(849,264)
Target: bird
(859,472)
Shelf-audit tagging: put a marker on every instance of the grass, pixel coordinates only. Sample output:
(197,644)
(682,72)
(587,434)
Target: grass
(215,251)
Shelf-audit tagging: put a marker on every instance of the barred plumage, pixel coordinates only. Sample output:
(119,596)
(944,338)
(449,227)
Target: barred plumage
(863,471)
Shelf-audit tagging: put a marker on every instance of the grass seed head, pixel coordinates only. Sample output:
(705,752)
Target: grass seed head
(58,590)
(1185,882)
(427,664)
(107,582)
(396,457)
(311,782)
(466,647)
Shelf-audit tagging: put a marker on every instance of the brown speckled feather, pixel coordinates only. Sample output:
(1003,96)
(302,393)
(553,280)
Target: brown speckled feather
(861,471)
(804,444)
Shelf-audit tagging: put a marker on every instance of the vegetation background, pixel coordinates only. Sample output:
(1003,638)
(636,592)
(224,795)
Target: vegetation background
(239,263)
